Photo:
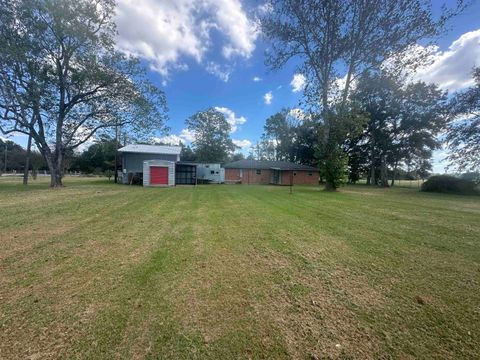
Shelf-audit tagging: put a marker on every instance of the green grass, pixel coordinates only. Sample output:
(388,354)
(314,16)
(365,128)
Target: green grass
(98,271)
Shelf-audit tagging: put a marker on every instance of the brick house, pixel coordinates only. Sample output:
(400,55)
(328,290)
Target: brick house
(270,172)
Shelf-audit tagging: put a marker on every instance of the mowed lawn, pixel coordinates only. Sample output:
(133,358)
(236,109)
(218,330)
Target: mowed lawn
(100,271)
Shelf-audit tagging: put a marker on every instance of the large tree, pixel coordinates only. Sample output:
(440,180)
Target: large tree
(279,130)
(62,80)
(403,123)
(464,131)
(330,35)
(211,131)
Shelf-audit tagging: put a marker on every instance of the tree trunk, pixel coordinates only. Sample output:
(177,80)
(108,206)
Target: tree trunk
(372,174)
(27,161)
(383,172)
(56,177)
(55,168)
(395,169)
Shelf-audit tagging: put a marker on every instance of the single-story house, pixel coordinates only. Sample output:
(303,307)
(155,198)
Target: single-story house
(270,172)
(160,165)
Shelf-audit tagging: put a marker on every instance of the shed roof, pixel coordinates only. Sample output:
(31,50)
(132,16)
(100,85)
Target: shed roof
(151,149)
(266,164)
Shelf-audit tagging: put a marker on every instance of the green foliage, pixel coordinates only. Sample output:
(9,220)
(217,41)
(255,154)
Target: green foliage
(289,135)
(334,168)
(403,123)
(16,156)
(98,158)
(187,153)
(449,184)
(464,131)
(212,142)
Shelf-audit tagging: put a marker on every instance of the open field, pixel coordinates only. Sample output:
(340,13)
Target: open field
(99,271)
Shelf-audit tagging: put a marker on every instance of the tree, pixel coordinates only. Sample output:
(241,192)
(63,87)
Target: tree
(238,156)
(16,156)
(403,122)
(98,158)
(212,142)
(187,153)
(463,135)
(279,130)
(355,35)
(62,80)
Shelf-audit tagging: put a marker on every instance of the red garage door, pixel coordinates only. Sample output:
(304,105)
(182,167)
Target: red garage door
(158,175)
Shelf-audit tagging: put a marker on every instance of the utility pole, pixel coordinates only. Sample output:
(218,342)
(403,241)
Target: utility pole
(115,175)
(6,149)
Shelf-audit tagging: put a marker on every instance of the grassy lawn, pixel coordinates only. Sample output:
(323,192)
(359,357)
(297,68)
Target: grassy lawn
(99,271)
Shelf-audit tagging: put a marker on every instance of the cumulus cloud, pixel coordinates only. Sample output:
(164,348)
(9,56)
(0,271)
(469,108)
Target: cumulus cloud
(257,79)
(168,139)
(165,33)
(187,135)
(244,144)
(231,118)
(452,69)
(268,97)
(298,82)
(298,114)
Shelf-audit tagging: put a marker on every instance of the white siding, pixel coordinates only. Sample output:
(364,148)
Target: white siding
(146,171)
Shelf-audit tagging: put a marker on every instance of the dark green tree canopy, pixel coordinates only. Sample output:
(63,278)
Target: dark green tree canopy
(403,123)
(212,142)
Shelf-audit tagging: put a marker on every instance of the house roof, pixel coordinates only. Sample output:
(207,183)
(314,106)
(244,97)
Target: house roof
(265,164)
(151,149)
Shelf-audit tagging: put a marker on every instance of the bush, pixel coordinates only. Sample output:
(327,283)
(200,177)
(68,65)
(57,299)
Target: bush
(449,184)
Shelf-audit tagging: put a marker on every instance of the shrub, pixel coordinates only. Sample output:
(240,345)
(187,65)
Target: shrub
(449,184)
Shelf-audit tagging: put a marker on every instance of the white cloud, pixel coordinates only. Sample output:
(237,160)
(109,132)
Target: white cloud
(268,97)
(187,135)
(244,144)
(257,79)
(298,82)
(297,113)
(222,72)
(168,139)
(232,119)
(166,33)
(452,69)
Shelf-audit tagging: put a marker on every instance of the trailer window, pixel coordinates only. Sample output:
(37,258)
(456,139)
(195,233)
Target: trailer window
(259,172)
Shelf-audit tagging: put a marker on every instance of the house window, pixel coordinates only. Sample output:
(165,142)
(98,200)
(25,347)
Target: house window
(310,174)
(212,172)
(241,173)
(207,166)
(294,174)
(259,172)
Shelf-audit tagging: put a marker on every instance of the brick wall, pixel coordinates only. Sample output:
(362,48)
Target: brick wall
(250,176)
(301,178)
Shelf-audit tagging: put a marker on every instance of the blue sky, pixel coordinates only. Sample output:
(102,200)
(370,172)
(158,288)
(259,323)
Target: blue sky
(207,53)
